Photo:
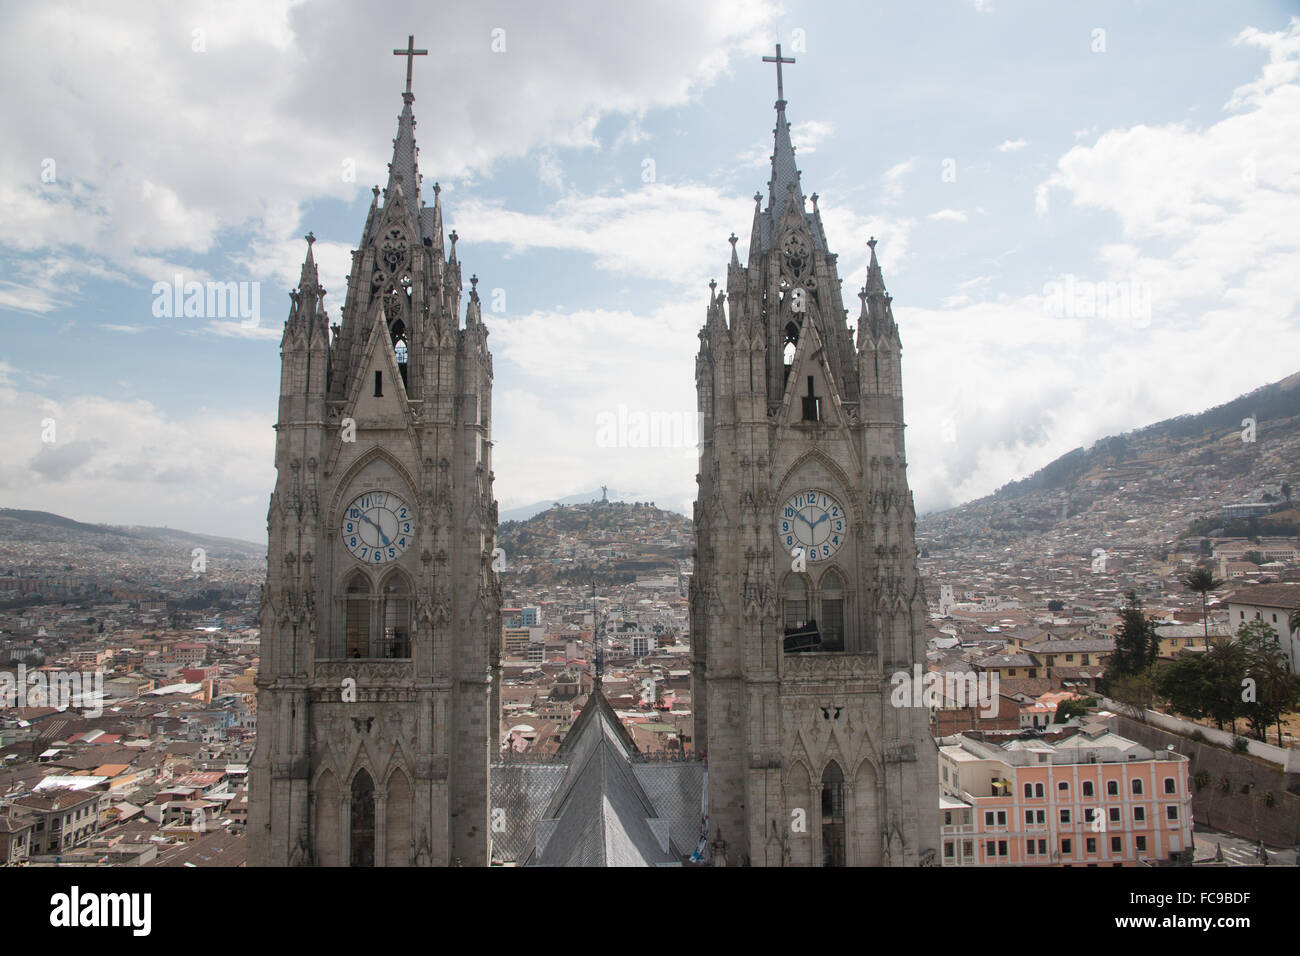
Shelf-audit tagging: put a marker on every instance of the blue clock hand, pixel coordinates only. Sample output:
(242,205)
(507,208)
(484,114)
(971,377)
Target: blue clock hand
(804,518)
(382,537)
(819,520)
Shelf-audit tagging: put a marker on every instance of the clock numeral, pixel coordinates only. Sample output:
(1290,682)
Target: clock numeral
(392,553)
(364,549)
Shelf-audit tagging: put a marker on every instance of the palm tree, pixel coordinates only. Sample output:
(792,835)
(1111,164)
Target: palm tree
(1202,580)
(1294,621)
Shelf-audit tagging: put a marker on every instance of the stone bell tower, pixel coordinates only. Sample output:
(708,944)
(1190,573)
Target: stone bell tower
(806,597)
(377,695)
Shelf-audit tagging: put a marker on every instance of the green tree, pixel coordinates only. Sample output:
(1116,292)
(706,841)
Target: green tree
(1136,643)
(1184,685)
(1271,689)
(1225,667)
(1203,581)
(1069,708)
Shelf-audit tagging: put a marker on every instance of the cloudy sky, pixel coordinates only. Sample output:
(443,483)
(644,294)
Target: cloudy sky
(1088,213)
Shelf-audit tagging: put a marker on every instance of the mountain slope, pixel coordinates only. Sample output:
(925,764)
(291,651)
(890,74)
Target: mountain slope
(1147,486)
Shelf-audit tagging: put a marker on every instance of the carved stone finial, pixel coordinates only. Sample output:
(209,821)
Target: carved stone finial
(310,237)
(733,239)
(872,243)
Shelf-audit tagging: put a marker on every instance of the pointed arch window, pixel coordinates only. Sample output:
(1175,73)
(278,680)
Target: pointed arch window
(832,611)
(356,617)
(801,632)
(397,329)
(363,820)
(796,602)
(396,616)
(833,853)
(788,350)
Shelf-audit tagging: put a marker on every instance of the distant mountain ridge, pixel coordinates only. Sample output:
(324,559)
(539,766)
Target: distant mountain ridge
(19,522)
(1269,403)
(1149,486)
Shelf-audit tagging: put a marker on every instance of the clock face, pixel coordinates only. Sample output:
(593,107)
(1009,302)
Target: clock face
(377,527)
(814,521)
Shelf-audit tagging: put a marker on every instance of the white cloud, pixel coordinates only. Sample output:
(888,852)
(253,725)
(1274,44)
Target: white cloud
(128,462)
(1208,225)
(892,180)
(549,170)
(947,215)
(1011,145)
(153,156)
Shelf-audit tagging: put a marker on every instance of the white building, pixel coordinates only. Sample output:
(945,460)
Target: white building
(1272,604)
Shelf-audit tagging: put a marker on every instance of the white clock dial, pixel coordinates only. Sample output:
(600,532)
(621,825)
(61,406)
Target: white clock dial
(814,521)
(377,527)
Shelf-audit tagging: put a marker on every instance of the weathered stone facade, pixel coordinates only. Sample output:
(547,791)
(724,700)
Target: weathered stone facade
(377,698)
(808,761)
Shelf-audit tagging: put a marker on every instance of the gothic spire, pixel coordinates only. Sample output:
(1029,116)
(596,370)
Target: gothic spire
(784,184)
(404,168)
(309,278)
(875,280)
(784,170)
(877,317)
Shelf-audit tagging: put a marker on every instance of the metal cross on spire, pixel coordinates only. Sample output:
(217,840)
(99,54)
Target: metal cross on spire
(411,52)
(778,60)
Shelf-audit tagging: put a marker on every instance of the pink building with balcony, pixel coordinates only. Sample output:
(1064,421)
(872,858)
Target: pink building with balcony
(1090,799)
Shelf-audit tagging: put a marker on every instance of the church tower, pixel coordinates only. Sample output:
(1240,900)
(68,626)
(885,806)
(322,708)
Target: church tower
(806,598)
(377,699)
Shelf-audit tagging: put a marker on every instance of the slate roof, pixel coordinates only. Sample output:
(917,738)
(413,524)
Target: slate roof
(589,806)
